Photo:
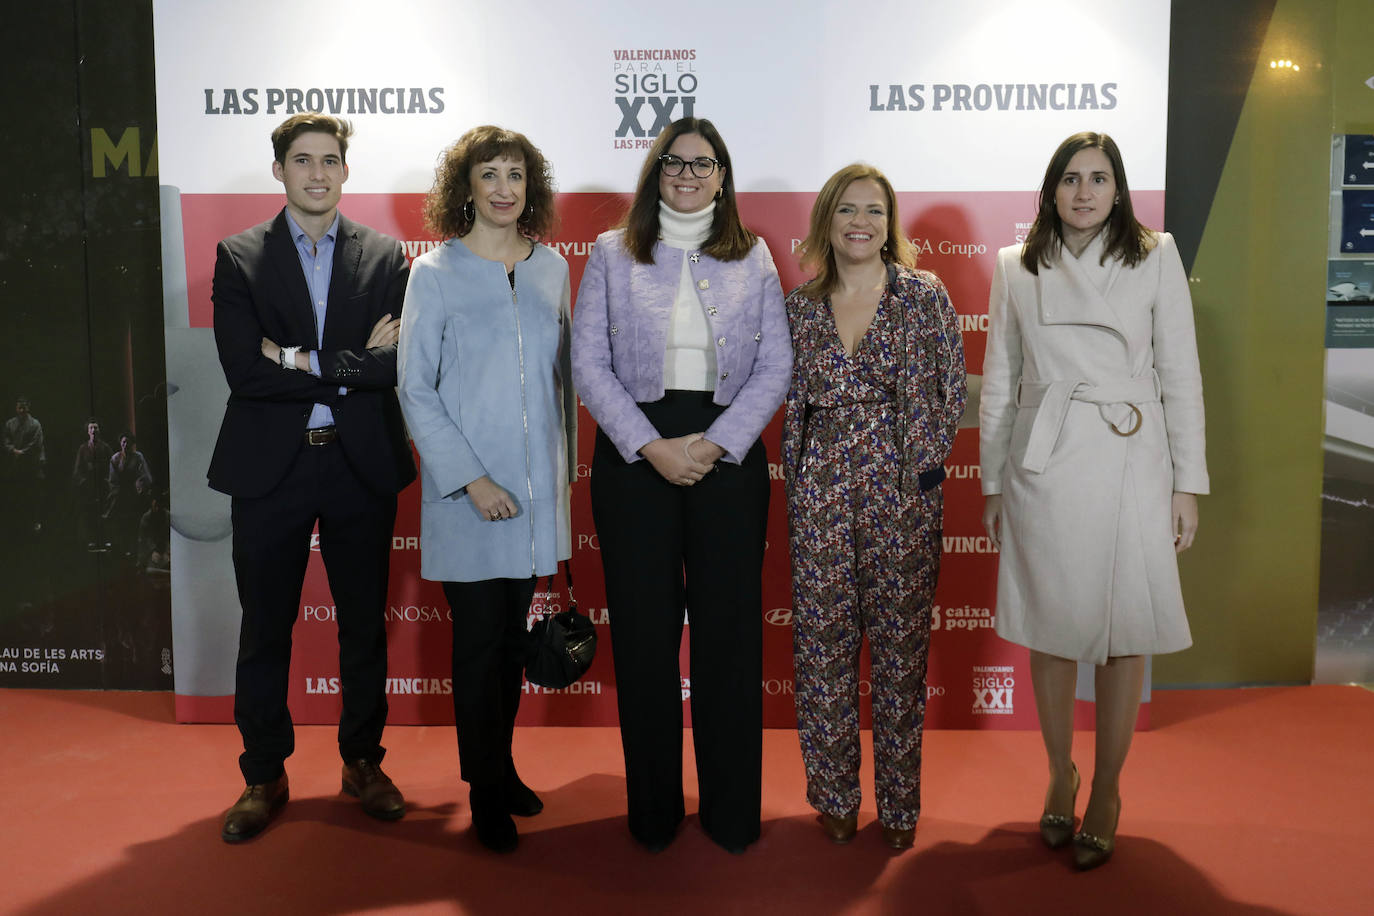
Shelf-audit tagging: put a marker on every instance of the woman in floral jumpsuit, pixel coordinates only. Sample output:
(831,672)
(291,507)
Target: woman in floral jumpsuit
(877,391)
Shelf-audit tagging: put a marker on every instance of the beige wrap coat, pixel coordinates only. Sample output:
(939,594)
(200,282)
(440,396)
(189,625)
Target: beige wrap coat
(1091,418)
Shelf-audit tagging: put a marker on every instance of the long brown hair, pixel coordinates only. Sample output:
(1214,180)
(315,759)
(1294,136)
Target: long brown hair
(1127,239)
(728,240)
(816,252)
(445,205)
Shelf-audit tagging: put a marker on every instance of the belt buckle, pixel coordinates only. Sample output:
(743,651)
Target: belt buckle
(1135,428)
(321,435)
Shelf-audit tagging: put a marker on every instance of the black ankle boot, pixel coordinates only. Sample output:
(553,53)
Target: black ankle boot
(520,798)
(491,820)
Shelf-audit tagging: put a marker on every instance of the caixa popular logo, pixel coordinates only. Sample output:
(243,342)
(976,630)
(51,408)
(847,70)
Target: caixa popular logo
(686,688)
(779,616)
(651,88)
(993,689)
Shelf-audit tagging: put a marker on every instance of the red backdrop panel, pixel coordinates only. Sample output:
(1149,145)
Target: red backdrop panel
(975,679)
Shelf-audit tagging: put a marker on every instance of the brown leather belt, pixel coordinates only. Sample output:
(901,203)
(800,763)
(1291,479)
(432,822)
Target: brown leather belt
(321,435)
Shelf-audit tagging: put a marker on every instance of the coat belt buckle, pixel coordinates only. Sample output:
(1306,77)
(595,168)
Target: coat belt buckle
(1138,421)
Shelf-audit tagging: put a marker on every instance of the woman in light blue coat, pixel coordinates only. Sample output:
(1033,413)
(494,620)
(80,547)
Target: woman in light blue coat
(485,383)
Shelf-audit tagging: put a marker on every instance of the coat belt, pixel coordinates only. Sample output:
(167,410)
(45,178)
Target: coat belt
(1116,402)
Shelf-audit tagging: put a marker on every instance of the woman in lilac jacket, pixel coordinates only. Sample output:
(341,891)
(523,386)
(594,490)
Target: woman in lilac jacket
(682,355)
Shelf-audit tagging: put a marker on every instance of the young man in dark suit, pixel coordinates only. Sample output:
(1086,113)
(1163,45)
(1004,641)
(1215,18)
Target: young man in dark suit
(307,312)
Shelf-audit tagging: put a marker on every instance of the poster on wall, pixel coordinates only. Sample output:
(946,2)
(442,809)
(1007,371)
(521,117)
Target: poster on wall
(84,596)
(1357,221)
(1345,608)
(1357,160)
(963,130)
(1349,304)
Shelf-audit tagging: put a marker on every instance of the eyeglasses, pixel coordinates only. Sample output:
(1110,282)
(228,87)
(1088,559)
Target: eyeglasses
(702,166)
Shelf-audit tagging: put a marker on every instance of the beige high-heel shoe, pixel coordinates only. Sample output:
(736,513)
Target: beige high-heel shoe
(1057,829)
(1091,850)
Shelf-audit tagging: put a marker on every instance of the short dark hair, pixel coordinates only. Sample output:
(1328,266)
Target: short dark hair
(1127,239)
(728,240)
(307,123)
(445,205)
(815,250)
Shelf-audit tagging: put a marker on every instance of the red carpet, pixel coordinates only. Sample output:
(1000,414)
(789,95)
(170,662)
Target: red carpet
(1239,801)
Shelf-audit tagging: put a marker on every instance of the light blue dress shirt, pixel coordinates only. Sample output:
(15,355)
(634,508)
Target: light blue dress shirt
(317,262)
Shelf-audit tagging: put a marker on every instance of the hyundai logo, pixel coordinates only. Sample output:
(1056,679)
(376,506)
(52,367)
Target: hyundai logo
(779,616)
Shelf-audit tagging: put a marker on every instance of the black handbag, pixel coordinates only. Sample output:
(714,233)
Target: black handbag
(561,646)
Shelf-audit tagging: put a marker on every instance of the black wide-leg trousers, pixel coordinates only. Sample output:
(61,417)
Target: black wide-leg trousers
(271,550)
(666,548)
(489,642)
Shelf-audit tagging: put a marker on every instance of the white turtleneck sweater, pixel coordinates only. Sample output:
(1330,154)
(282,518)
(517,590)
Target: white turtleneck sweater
(689,362)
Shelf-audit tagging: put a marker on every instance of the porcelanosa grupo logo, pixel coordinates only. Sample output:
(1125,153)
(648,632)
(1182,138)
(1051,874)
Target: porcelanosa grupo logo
(993,687)
(652,88)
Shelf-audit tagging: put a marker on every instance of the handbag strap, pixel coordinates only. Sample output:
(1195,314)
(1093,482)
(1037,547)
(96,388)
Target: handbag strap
(567,574)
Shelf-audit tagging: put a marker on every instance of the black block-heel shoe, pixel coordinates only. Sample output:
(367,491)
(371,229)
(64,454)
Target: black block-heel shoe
(520,798)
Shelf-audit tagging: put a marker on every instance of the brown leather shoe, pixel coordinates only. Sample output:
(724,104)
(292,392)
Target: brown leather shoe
(254,810)
(365,781)
(840,830)
(897,838)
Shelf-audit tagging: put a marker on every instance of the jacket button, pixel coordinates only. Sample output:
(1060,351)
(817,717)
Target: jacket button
(703,284)
(720,342)
(614,330)
(758,337)
(724,376)
(711,311)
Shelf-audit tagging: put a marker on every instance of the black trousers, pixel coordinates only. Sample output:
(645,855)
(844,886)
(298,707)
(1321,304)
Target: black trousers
(271,549)
(665,548)
(489,639)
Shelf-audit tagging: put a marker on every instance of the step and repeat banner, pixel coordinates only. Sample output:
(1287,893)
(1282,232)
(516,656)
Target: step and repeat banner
(960,104)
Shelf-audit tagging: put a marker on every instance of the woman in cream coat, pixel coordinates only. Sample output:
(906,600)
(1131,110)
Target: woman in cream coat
(1092,453)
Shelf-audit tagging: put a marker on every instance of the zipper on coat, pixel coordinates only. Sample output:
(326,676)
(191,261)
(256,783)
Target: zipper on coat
(525,423)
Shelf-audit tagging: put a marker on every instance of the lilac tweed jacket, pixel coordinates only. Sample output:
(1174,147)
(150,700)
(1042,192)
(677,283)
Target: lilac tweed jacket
(620,333)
